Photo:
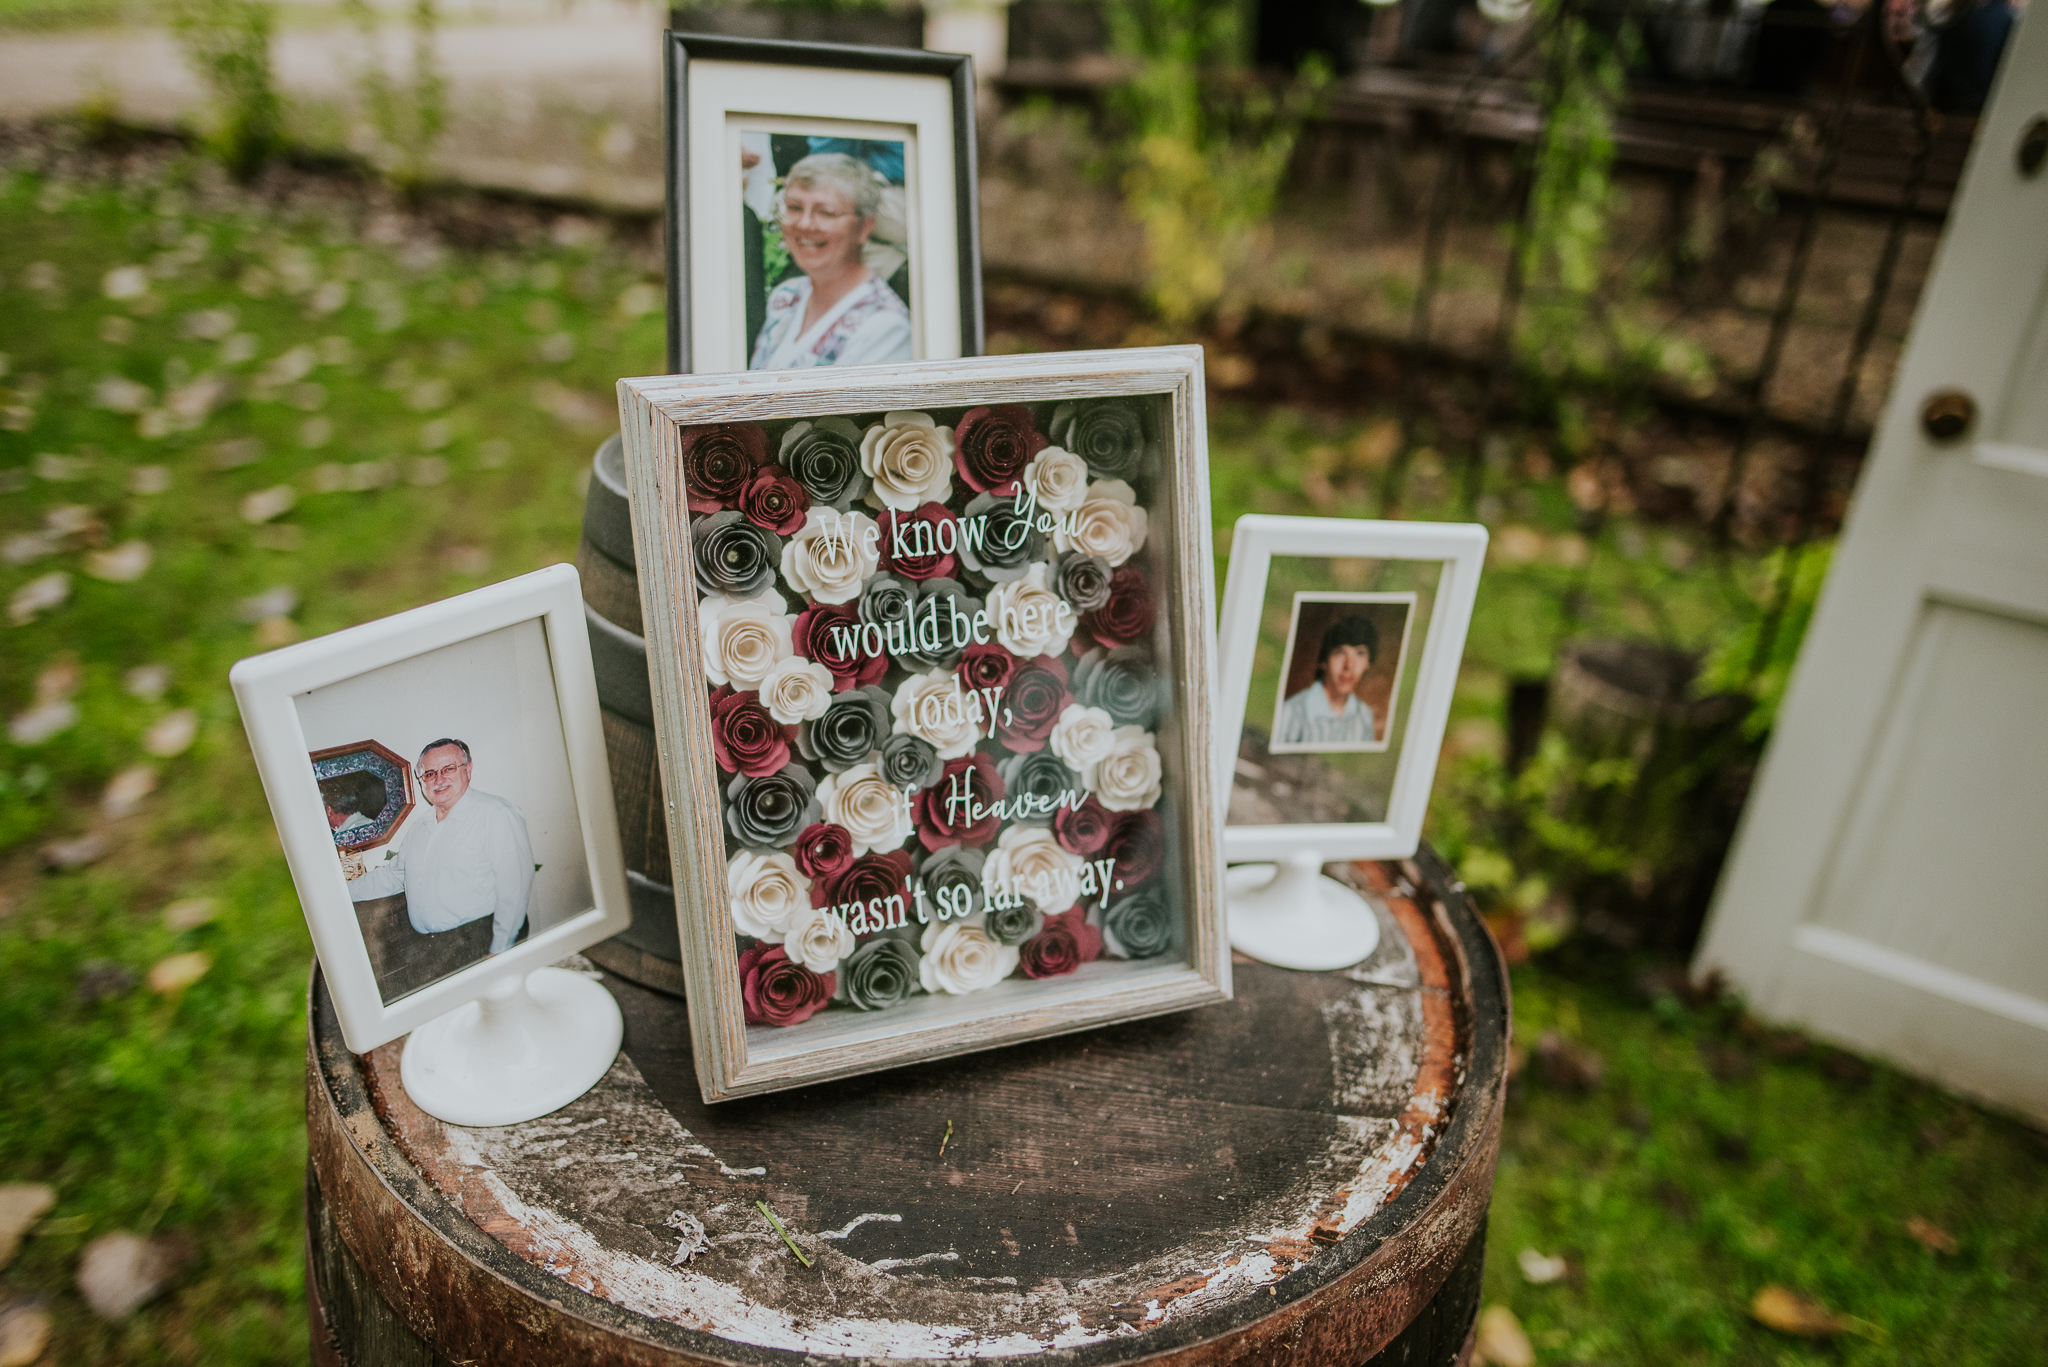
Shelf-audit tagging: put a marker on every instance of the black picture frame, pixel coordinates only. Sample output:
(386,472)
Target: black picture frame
(679,49)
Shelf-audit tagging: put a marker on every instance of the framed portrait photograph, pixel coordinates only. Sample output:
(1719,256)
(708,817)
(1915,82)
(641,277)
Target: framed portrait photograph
(932,655)
(1340,644)
(439,783)
(821,207)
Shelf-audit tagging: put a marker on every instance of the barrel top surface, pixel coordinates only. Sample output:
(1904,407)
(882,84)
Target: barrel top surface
(1155,1183)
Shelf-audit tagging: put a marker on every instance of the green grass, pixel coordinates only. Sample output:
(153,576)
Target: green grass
(184,1116)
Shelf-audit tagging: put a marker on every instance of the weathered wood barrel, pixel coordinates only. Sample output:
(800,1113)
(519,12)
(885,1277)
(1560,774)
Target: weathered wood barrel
(1300,1175)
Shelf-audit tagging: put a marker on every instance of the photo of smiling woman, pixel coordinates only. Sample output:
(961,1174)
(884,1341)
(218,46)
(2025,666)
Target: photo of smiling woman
(826,250)
(1342,672)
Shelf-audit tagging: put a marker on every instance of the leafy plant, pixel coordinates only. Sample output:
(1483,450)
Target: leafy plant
(406,120)
(227,43)
(1757,659)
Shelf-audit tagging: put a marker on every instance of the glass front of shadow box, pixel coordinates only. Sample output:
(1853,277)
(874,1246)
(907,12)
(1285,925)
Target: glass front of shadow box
(937,654)
(1333,682)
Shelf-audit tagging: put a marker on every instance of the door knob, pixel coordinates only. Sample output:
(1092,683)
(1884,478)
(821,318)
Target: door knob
(1947,413)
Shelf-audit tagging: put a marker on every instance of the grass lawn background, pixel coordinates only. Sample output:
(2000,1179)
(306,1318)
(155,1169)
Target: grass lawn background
(467,388)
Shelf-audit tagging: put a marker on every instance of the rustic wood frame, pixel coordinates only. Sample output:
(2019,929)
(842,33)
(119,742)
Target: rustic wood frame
(1257,538)
(652,413)
(265,686)
(680,50)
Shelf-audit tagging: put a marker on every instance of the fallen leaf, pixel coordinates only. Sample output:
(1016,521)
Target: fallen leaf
(1499,1339)
(37,595)
(189,913)
(126,791)
(24,1334)
(265,504)
(1789,1312)
(74,854)
(281,601)
(38,724)
(125,282)
(1517,545)
(149,479)
(174,973)
(172,734)
(120,1271)
(1931,1234)
(1539,1270)
(21,1205)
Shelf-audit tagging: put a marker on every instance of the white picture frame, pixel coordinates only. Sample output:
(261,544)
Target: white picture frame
(1255,541)
(268,689)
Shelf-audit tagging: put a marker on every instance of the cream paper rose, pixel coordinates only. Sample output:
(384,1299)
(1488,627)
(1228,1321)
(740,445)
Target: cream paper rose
(769,894)
(933,708)
(818,941)
(744,638)
(910,459)
(874,812)
(1057,479)
(959,957)
(1109,524)
(1029,618)
(1028,862)
(796,690)
(1127,778)
(833,555)
(1082,736)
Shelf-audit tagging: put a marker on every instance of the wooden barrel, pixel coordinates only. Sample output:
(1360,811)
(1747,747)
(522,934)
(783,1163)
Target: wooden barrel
(1300,1175)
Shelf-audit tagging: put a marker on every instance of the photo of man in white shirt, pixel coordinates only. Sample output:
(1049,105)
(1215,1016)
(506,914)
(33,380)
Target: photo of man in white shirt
(1329,711)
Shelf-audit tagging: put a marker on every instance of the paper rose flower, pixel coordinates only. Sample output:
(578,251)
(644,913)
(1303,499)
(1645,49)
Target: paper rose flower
(718,459)
(955,810)
(886,602)
(952,879)
(775,991)
(834,637)
(873,813)
(1082,735)
(998,542)
(1057,479)
(940,625)
(733,556)
(865,886)
(796,690)
(959,957)
(1028,862)
(744,638)
(768,892)
(1109,524)
(932,708)
(1127,617)
(909,762)
(1014,922)
(1063,944)
(818,940)
(1029,618)
(776,500)
(1138,925)
(1084,829)
(1138,844)
(1036,698)
(763,813)
(1121,683)
(822,851)
(991,445)
(1128,777)
(986,665)
(909,458)
(848,731)
(1042,776)
(745,736)
(1111,436)
(880,974)
(832,556)
(1082,580)
(824,457)
(921,543)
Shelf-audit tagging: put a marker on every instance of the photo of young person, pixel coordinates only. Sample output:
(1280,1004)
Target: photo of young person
(1341,673)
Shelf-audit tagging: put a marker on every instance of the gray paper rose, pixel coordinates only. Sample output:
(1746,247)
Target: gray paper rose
(854,725)
(1121,682)
(956,866)
(1006,543)
(1041,774)
(1014,924)
(734,557)
(910,762)
(1108,434)
(1138,925)
(881,973)
(1082,580)
(887,599)
(766,813)
(941,625)
(824,456)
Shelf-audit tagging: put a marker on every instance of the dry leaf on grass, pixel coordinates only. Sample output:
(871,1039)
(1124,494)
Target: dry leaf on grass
(24,1334)
(1793,1312)
(119,1271)
(1931,1234)
(189,913)
(1539,1270)
(1499,1340)
(21,1205)
(176,972)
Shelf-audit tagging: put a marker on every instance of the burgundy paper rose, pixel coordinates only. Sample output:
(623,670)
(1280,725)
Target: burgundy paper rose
(832,636)
(821,851)
(718,460)
(969,779)
(1036,697)
(1064,943)
(1126,619)
(745,739)
(1081,830)
(921,544)
(1138,845)
(866,879)
(991,446)
(986,666)
(778,992)
(773,499)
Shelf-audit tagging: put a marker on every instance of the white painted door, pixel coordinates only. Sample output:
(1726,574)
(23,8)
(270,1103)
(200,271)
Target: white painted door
(1889,885)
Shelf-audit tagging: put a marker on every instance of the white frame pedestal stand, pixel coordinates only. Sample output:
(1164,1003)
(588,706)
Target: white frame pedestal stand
(1290,915)
(529,1046)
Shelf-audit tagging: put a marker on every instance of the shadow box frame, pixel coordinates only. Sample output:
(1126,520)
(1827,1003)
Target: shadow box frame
(654,412)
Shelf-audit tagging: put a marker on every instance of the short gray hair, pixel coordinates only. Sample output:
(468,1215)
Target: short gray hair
(840,172)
